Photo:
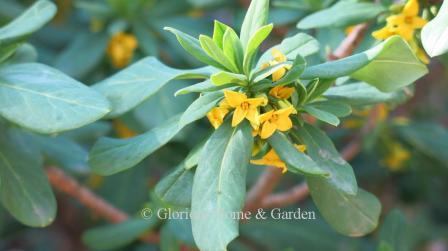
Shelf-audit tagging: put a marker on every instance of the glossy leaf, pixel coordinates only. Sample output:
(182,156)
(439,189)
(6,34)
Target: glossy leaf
(352,215)
(252,47)
(323,152)
(393,55)
(206,86)
(200,107)
(118,235)
(223,78)
(232,48)
(362,94)
(175,189)
(109,156)
(435,33)
(220,185)
(322,115)
(295,160)
(342,14)
(45,100)
(28,22)
(133,85)
(256,17)
(25,191)
(299,44)
(192,46)
(212,49)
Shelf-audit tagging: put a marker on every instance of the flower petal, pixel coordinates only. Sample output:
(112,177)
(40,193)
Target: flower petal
(238,116)
(267,129)
(266,116)
(418,22)
(382,34)
(411,8)
(278,55)
(252,116)
(234,99)
(284,124)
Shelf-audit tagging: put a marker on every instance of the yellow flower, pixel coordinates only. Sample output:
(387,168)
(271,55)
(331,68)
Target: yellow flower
(397,157)
(121,49)
(281,92)
(122,130)
(244,107)
(279,57)
(403,24)
(216,115)
(272,159)
(276,120)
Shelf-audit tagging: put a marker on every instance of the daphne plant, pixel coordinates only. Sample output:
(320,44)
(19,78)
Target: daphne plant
(258,109)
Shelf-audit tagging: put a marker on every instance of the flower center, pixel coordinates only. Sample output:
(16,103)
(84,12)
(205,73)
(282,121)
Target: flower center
(274,118)
(245,105)
(408,20)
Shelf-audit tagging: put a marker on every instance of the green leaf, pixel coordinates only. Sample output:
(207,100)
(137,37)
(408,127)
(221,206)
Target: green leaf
(82,55)
(352,215)
(25,191)
(110,156)
(362,94)
(220,185)
(224,78)
(256,17)
(299,44)
(262,74)
(192,159)
(64,152)
(8,50)
(218,33)
(192,46)
(337,108)
(393,56)
(175,189)
(133,85)
(206,86)
(323,152)
(26,53)
(294,73)
(45,100)
(200,107)
(435,33)
(342,14)
(395,232)
(28,22)
(428,138)
(317,87)
(232,48)
(294,159)
(212,49)
(118,235)
(252,47)
(322,115)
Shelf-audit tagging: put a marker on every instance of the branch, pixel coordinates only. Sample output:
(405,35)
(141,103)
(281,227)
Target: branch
(68,185)
(264,186)
(350,43)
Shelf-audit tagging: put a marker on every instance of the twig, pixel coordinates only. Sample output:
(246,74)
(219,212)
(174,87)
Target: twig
(350,43)
(68,185)
(264,186)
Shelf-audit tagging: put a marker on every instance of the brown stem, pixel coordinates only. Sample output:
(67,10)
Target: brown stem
(68,185)
(264,186)
(350,43)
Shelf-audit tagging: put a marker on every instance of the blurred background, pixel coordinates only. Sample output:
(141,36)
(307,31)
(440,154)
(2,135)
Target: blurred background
(403,159)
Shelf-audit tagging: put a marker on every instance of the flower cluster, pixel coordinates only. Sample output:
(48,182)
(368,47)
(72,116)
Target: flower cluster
(404,24)
(121,49)
(264,116)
